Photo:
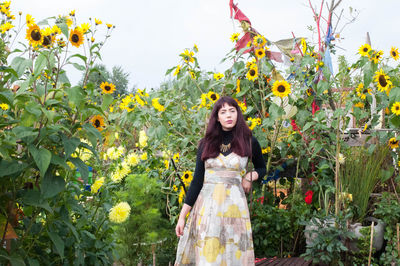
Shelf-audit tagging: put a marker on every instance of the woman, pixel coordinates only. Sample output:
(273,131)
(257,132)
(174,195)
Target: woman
(218,229)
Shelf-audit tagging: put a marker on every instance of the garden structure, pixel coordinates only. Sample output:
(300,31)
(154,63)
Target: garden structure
(92,177)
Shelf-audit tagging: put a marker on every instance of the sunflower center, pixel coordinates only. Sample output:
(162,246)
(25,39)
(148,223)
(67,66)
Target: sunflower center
(131,105)
(46,41)
(75,38)
(394,54)
(397,107)
(365,49)
(186,176)
(36,36)
(281,88)
(252,72)
(97,123)
(213,97)
(107,88)
(382,81)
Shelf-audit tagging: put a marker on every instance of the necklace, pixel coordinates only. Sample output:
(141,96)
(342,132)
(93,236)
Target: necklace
(224,147)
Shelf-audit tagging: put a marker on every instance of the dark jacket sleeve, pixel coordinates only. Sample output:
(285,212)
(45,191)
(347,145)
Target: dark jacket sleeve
(257,158)
(197,182)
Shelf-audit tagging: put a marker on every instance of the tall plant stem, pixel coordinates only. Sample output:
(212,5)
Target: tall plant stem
(337,167)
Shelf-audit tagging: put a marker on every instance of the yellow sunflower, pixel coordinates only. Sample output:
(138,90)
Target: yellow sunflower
(281,88)
(376,57)
(187,177)
(359,105)
(260,53)
(85,27)
(213,96)
(192,75)
(187,56)
(396,108)
(109,26)
(218,76)
(394,52)
(259,41)
(252,74)
(393,143)
(251,63)
(382,80)
(34,35)
(76,37)
(98,122)
(237,86)
(364,50)
(97,21)
(177,70)
(107,88)
(29,20)
(48,37)
(235,37)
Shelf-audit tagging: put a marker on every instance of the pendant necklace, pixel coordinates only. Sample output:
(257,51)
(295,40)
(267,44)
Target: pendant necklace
(224,147)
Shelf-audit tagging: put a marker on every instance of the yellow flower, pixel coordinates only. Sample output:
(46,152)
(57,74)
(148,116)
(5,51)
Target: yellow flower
(92,39)
(187,177)
(252,74)
(139,100)
(187,56)
(253,123)
(260,53)
(359,105)
(48,37)
(281,88)
(68,21)
(266,150)
(177,70)
(192,75)
(259,41)
(97,185)
(364,50)
(4,106)
(237,86)
(98,122)
(396,108)
(76,37)
(143,139)
(376,57)
(235,37)
(34,35)
(6,27)
(218,76)
(398,163)
(56,30)
(157,105)
(176,157)
(166,164)
(341,158)
(97,21)
(72,13)
(29,20)
(143,157)
(382,80)
(394,52)
(109,26)
(251,63)
(85,27)
(174,188)
(195,48)
(303,45)
(181,195)
(132,159)
(127,103)
(107,88)
(393,143)
(120,212)
(213,96)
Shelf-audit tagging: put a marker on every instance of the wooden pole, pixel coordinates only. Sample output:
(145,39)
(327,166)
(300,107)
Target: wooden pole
(370,245)
(153,250)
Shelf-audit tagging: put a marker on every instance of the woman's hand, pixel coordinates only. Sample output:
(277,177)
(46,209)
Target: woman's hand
(179,227)
(246,185)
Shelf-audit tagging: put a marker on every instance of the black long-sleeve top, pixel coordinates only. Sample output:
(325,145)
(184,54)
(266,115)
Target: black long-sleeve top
(198,177)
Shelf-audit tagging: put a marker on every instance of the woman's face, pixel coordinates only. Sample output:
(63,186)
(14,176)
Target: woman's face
(227,116)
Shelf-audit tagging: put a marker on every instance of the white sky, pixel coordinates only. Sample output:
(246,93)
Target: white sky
(150,34)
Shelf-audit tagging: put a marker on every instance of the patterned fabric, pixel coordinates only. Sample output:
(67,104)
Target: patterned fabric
(218,229)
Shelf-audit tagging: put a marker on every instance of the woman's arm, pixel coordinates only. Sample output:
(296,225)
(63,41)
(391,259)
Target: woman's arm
(197,182)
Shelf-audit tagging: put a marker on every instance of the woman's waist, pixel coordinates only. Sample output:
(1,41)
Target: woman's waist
(231,180)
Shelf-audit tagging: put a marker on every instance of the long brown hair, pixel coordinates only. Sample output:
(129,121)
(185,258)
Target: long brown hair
(240,144)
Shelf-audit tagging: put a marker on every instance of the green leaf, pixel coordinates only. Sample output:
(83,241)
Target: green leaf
(76,95)
(20,64)
(22,132)
(368,74)
(79,67)
(84,58)
(8,168)
(52,185)
(33,197)
(70,145)
(93,134)
(8,70)
(42,158)
(40,64)
(107,100)
(58,242)
(64,29)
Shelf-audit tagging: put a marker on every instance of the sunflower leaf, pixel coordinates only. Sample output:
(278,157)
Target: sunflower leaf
(64,29)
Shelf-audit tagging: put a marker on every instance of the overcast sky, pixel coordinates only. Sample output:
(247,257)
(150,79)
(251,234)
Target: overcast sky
(150,34)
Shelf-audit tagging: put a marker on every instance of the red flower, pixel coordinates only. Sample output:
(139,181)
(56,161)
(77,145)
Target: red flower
(261,199)
(308,198)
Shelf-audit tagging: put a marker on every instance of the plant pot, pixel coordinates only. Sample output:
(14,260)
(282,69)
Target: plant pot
(379,229)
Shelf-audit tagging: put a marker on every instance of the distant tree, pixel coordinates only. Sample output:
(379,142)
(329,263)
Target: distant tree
(98,75)
(120,79)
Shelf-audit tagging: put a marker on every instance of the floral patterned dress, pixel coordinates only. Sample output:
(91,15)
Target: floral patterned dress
(218,229)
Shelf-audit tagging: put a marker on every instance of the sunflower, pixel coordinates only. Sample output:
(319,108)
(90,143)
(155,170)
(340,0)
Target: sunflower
(393,143)
(281,88)
(396,108)
(259,41)
(97,21)
(34,35)
(310,91)
(109,26)
(85,27)
(235,37)
(187,56)
(394,52)
(107,88)
(252,74)
(192,75)
(29,20)
(48,37)
(237,86)
(251,63)
(359,105)
(187,177)
(260,53)
(76,37)
(6,27)
(218,76)
(382,80)
(376,57)
(213,96)
(364,50)
(177,70)
(98,122)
